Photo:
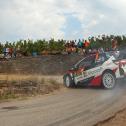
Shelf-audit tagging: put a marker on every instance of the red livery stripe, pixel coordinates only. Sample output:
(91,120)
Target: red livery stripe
(96,81)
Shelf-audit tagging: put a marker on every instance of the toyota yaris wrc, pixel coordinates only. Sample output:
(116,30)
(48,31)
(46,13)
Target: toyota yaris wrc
(97,70)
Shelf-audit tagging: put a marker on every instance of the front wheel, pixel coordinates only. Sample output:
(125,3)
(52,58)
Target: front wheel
(68,82)
(108,80)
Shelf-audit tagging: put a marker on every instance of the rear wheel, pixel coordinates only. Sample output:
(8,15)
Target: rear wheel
(108,80)
(68,82)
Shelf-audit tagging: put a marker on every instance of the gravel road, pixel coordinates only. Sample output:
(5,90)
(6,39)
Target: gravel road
(69,107)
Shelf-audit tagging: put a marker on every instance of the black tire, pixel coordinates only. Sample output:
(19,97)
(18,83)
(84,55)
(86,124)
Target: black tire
(68,82)
(108,80)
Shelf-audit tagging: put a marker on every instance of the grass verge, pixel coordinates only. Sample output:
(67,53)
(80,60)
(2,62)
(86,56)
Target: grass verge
(25,87)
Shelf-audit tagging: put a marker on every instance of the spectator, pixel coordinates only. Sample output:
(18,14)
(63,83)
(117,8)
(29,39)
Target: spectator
(15,53)
(86,43)
(114,44)
(101,50)
(80,44)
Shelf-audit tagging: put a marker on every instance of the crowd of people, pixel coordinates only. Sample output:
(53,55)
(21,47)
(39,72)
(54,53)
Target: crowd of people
(82,47)
(73,46)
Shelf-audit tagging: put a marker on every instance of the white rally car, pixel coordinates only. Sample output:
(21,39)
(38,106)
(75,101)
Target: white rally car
(97,70)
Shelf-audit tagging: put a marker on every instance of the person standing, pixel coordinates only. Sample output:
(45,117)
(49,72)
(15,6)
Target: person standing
(114,44)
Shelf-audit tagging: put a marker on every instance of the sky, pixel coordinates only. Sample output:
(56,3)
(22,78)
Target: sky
(60,19)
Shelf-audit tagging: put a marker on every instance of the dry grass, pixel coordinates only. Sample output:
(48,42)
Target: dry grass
(11,77)
(13,86)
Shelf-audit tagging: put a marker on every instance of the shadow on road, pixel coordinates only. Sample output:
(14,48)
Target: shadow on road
(120,85)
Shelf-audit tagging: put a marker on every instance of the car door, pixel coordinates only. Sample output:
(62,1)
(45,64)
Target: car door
(89,68)
(83,67)
(96,70)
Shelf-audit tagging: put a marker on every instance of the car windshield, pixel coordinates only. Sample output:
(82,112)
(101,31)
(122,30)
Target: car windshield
(85,62)
(77,64)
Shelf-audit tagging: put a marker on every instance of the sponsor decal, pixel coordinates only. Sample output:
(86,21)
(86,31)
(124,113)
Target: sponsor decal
(85,74)
(94,72)
(79,78)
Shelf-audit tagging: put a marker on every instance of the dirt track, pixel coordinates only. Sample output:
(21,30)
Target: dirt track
(70,107)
